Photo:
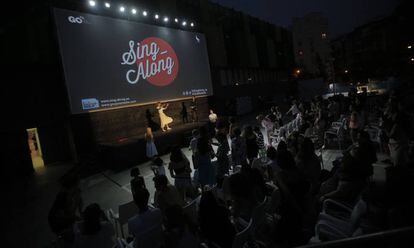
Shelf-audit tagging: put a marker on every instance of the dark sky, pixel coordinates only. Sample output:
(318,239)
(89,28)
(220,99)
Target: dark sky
(343,15)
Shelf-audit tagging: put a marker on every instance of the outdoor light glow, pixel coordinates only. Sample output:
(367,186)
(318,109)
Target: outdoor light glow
(108,5)
(134,11)
(346,71)
(409,47)
(166,19)
(156,16)
(184,23)
(412,59)
(192,24)
(122,9)
(297,71)
(92,3)
(144,13)
(176,20)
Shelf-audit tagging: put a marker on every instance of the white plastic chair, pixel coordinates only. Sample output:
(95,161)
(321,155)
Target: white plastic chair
(153,238)
(332,228)
(113,219)
(190,210)
(243,236)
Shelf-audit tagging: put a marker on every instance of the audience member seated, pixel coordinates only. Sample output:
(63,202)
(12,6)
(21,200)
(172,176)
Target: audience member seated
(166,195)
(147,223)
(354,170)
(94,230)
(180,170)
(179,231)
(214,219)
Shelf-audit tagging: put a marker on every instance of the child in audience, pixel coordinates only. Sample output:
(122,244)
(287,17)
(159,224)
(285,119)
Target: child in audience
(158,167)
(137,180)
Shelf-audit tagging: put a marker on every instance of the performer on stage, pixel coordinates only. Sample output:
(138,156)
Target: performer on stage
(193,107)
(164,119)
(183,113)
(151,148)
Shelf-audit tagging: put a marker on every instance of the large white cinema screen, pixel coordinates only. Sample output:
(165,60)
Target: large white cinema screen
(112,62)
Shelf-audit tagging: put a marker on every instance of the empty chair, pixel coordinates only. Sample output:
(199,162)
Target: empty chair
(153,238)
(190,210)
(331,228)
(110,215)
(242,237)
(337,134)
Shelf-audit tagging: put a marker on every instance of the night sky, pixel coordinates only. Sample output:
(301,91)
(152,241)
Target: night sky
(343,15)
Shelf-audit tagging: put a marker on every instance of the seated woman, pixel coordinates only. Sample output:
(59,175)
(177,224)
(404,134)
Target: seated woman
(94,230)
(355,169)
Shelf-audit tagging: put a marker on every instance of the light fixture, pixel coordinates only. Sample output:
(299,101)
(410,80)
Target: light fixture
(184,23)
(409,47)
(176,20)
(92,3)
(166,19)
(133,11)
(412,59)
(192,24)
(156,16)
(346,71)
(122,8)
(107,5)
(144,13)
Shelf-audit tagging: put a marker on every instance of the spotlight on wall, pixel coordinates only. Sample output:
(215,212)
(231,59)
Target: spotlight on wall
(176,20)
(184,23)
(144,13)
(107,5)
(122,8)
(92,3)
(156,16)
(133,11)
(166,19)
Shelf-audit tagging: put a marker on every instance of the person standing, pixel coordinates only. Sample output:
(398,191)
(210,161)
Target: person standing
(180,170)
(164,119)
(193,107)
(183,113)
(212,122)
(151,148)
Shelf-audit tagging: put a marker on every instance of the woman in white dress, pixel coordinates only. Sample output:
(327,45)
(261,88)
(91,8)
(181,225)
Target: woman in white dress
(164,119)
(151,148)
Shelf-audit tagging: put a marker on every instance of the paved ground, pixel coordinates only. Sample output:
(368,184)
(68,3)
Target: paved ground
(107,188)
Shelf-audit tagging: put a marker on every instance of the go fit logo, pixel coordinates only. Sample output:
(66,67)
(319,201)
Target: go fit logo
(155,61)
(77,20)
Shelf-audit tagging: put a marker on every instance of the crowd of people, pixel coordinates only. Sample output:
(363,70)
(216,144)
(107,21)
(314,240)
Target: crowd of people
(248,169)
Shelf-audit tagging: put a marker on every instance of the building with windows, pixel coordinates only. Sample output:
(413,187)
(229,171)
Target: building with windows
(379,49)
(311,47)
